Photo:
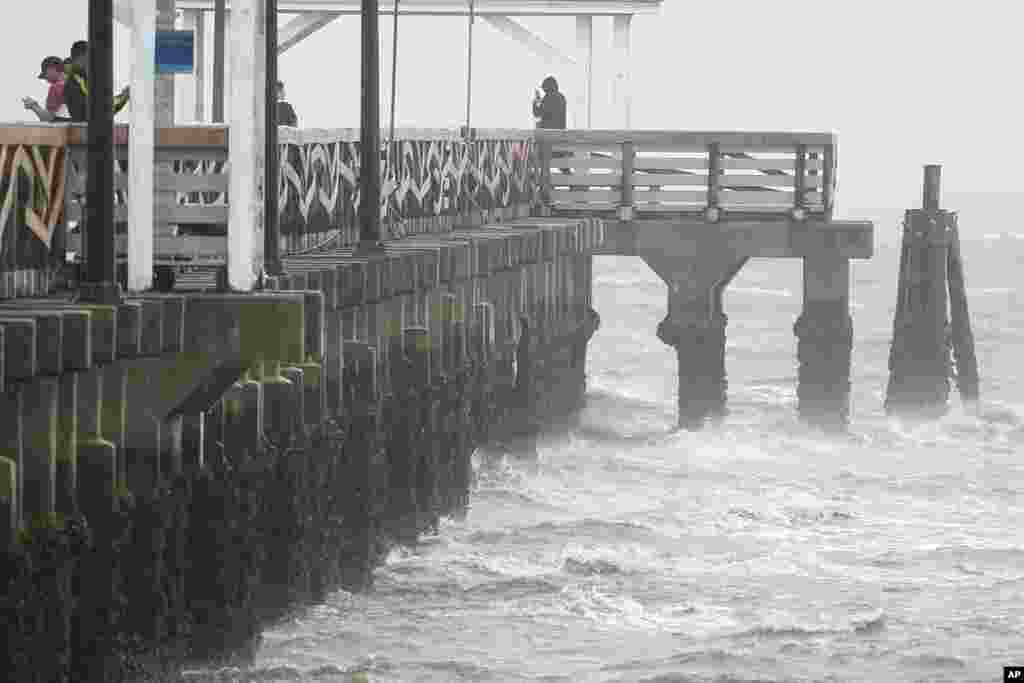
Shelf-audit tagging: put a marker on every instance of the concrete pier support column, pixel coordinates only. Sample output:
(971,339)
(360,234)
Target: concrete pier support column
(297,407)
(698,336)
(97,457)
(279,398)
(314,393)
(11,429)
(115,415)
(361,455)
(40,447)
(170,447)
(193,440)
(250,424)
(825,340)
(8,501)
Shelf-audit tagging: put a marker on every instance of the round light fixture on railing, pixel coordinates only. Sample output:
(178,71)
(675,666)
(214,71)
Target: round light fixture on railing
(712,214)
(799,214)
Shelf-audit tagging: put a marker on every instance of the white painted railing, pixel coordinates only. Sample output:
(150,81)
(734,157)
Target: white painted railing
(714,174)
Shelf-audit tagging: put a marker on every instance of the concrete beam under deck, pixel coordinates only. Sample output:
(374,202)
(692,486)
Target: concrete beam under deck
(676,237)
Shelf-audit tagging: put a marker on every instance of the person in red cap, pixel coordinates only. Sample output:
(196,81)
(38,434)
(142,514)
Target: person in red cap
(51,71)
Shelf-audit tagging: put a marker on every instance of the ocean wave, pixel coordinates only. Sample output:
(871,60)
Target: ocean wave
(515,588)
(862,626)
(603,528)
(803,516)
(275,674)
(929,661)
(591,567)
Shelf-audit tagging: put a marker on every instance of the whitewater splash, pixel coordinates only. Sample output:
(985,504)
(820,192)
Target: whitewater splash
(758,551)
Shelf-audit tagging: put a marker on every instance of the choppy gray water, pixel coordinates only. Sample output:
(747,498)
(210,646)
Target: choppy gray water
(760,551)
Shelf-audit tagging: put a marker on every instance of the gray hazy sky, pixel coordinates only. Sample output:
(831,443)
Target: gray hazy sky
(903,82)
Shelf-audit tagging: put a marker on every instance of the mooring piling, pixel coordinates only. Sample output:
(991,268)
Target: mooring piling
(931,318)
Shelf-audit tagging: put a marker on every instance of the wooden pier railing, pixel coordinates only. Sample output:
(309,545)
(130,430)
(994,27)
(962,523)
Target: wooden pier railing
(429,177)
(711,174)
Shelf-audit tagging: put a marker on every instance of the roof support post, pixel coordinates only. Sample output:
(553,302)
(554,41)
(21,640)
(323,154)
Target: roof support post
(244,209)
(141,221)
(622,97)
(100,284)
(585,46)
(219,22)
(369,138)
(200,68)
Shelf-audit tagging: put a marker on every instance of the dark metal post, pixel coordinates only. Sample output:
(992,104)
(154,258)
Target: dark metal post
(369,148)
(394,72)
(932,181)
(219,11)
(100,270)
(271,224)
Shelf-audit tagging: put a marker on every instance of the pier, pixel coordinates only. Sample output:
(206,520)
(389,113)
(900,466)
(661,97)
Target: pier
(305,359)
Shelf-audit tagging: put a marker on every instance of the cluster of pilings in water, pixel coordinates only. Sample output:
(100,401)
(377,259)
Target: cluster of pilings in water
(132,544)
(932,340)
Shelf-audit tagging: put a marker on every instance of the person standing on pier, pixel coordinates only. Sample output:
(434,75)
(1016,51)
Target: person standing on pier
(286,115)
(549,109)
(52,71)
(76,87)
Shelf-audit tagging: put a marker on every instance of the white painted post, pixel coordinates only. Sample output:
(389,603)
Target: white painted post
(229,90)
(259,105)
(622,97)
(200,68)
(184,84)
(242,146)
(585,45)
(140,148)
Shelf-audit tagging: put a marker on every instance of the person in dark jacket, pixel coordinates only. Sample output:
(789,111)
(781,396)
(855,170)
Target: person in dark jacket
(76,85)
(549,110)
(286,115)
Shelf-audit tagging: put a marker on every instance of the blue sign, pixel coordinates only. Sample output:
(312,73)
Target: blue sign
(175,52)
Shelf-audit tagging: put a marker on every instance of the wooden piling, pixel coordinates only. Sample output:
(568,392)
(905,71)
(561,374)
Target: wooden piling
(39,448)
(8,502)
(931,312)
(960,322)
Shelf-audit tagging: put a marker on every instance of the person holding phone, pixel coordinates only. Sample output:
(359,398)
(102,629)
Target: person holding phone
(549,108)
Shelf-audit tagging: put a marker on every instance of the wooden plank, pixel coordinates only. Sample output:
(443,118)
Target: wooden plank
(776,150)
(671,163)
(699,139)
(193,213)
(190,182)
(193,136)
(762,180)
(574,162)
(585,152)
(586,206)
(602,179)
(665,179)
(767,198)
(33,134)
(577,196)
(171,154)
(644,196)
(755,164)
(678,207)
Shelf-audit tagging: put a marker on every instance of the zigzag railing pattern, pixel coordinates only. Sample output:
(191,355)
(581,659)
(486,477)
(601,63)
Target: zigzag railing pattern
(31,197)
(424,174)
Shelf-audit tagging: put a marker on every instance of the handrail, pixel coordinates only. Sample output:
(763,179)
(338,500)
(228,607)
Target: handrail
(691,172)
